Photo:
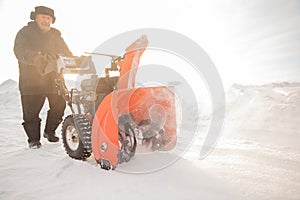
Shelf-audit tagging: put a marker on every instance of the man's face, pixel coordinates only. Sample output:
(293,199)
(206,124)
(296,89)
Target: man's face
(44,22)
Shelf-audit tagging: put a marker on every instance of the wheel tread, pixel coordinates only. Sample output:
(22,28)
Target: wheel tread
(84,129)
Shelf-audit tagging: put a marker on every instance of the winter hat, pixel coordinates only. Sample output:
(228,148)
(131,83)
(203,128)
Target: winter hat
(43,10)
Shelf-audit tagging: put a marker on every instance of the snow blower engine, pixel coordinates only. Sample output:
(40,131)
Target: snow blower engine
(110,117)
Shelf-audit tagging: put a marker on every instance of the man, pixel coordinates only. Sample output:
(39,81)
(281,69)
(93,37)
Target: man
(36,45)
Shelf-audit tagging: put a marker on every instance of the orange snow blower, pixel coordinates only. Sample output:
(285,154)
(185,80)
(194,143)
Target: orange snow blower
(110,117)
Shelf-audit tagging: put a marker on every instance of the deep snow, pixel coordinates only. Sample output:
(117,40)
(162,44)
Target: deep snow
(257,156)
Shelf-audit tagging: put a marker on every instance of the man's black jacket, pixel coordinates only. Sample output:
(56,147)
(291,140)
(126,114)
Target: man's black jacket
(29,42)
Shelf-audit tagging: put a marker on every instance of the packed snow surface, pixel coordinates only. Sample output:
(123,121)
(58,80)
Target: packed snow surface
(257,156)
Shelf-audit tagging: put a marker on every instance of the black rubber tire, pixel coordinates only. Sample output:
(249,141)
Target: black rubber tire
(84,132)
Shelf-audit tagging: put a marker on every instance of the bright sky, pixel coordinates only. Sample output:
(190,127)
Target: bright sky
(249,41)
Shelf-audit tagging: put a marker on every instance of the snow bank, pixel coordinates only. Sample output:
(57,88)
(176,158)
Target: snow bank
(271,110)
(259,152)
(9,95)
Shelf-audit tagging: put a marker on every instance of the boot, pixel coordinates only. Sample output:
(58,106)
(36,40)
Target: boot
(49,132)
(32,129)
(34,145)
(51,137)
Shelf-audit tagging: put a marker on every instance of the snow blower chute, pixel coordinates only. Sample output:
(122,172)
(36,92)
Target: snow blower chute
(110,117)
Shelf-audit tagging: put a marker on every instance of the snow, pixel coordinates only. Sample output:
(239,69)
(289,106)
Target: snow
(257,156)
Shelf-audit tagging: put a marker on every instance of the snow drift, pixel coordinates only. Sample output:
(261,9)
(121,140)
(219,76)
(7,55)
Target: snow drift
(266,113)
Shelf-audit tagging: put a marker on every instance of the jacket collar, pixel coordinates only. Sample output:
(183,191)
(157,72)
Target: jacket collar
(34,26)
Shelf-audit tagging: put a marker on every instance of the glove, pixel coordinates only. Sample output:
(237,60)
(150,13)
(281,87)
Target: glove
(51,63)
(40,62)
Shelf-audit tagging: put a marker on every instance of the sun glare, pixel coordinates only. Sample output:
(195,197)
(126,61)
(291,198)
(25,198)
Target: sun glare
(72,77)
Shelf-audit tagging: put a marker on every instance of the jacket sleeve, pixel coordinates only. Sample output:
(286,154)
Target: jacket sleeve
(22,51)
(65,48)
